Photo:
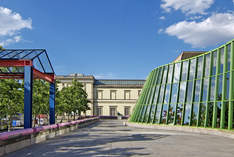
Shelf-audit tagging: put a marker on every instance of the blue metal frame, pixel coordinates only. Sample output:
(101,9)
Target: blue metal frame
(28,86)
(52,103)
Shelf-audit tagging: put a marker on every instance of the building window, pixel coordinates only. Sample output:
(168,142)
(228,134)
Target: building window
(139,93)
(113,94)
(127,94)
(112,111)
(99,111)
(99,94)
(127,110)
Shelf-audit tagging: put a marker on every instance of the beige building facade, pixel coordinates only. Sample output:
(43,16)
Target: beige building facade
(108,97)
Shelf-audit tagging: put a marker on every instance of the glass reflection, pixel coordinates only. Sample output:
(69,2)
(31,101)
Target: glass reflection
(182,92)
(159,107)
(192,69)
(212,89)
(177,72)
(221,60)
(195,114)
(187,114)
(184,71)
(207,65)
(164,113)
(197,91)
(210,114)
(174,93)
(214,63)
(203,114)
(171,114)
(179,113)
(189,91)
(199,67)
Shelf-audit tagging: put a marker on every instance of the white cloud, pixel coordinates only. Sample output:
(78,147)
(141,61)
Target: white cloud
(187,6)
(11,24)
(162,17)
(216,28)
(11,40)
(160,31)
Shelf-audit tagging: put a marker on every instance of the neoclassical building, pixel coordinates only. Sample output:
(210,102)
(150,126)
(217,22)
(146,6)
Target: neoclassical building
(108,97)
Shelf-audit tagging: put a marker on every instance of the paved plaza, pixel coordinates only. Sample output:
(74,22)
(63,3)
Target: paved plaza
(111,138)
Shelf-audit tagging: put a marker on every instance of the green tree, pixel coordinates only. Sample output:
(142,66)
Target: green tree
(74,99)
(40,98)
(11,99)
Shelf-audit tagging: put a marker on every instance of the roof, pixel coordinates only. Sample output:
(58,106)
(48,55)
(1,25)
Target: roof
(188,54)
(39,58)
(118,82)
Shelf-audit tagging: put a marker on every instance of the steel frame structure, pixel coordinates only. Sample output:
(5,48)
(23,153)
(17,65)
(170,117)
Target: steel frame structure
(198,91)
(29,64)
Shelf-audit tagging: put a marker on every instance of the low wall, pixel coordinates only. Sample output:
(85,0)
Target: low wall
(15,140)
(210,131)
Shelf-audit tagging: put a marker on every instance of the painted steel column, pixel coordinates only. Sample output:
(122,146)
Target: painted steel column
(28,87)
(201,91)
(214,119)
(231,89)
(52,103)
(223,105)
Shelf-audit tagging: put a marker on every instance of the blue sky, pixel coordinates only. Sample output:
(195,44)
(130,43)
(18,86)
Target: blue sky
(115,38)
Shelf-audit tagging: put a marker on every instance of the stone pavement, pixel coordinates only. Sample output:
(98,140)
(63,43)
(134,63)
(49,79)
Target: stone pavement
(111,138)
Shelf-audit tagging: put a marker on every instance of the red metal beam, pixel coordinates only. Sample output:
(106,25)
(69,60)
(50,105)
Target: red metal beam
(11,76)
(47,77)
(15,63)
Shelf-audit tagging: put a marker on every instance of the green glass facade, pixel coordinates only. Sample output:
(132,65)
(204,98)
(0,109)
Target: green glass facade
(198,91)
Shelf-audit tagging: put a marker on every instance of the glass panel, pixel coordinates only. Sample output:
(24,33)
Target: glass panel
(170,73)
(159,76)
(210,114)
(174,93)
(189,91)
(161,93)
(221,60)
(182,91)
(205,88)
(164,74)
(37,65)
(171,113)
(220,85)
(184,71)
(199,67)
(152,113)
(218,113)
(179,113)
(197,91)
(177,73)
(164,113)
(147,113)
(143,112)
(212,89)
(156,94)
(214,63)
(158,113)
(227,87)
(167,94)
(207,65)
(192,69)
(45,63)
(195,114)
(187,114)
(228,56)
(203,114)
